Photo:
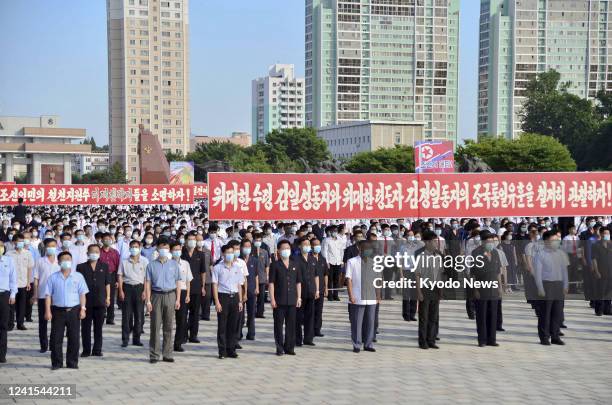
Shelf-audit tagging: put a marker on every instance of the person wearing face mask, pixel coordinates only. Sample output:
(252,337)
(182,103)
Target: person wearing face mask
(269,239)
(162,294)
(98,282)
(363,297)
(285,295)
(263,255)
(199,262)
(23,263)
(131,278)
(550,275)
(227,280)
(409,296)
(602,273)
(307,266)
(148,246)
(180,335)
(65,307)
(31,244)
(322,269)
(333,251)
(112,259)
(206,299)
(44,267)
(486,297)
(8,292)
(121,245)
(590,231)
(254,267)
(509,249)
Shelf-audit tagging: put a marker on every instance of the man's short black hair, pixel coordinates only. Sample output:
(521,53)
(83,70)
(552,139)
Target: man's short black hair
(62,254)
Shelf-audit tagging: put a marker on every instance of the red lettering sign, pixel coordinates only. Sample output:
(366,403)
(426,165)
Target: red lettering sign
(267,196)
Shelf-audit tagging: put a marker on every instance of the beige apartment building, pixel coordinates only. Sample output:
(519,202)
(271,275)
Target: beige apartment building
(239,138)
(148,65)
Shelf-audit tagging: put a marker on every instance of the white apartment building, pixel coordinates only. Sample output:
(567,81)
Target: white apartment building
(277,101)
(90,162)
(148,80)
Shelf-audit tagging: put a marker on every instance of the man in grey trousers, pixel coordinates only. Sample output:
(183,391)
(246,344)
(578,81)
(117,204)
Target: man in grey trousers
(162,291)
(363,297)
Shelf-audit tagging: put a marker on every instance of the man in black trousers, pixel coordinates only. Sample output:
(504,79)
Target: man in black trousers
(322,273)
(98,281)
(486,297)
(429,270)
(307,265)
(198,262)
(285,295)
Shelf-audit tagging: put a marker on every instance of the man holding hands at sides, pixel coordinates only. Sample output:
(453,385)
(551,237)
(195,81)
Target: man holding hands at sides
(8,291)
(131,278)
(162,292)
(550,274)
(285,285)
(430,270)
(98,281)
(227,280)
(363,297)
(65,307)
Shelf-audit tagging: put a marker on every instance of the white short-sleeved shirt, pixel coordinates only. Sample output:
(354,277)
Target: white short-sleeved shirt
(502,257)
(42,270)
(23,261)
(353,272)
(185,273)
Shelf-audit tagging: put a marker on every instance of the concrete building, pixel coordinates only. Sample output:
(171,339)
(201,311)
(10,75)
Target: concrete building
(148,80)
(39,147)
(90,162)
(519,39)
(383,60)
(238,138)
(277,101)
(347,139)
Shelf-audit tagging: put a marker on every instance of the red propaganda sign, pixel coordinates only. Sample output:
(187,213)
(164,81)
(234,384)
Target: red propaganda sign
(267,196)
(200,190)
(99,194)
(434,157)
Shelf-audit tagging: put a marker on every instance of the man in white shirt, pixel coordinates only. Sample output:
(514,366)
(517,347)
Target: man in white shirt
(45,266)
(78,250)
(333,251)
(180,334)
(24,263)
(363,297)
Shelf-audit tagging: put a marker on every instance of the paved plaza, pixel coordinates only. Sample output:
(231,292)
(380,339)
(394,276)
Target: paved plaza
(519,371)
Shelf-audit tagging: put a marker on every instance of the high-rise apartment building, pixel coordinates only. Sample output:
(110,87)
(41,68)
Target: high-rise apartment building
(277,101)
(148,76)
(383,60)
(520,38)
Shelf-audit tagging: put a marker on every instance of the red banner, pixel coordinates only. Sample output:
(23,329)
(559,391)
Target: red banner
(266,196)
(434,157)
(99,194)
(200,190)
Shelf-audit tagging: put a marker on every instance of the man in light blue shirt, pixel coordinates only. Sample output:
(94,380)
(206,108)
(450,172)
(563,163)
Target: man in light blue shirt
(8,291)
(65,307)
(162,292)
(550,273)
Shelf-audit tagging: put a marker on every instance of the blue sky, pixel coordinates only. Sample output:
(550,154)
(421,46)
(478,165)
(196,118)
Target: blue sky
(54,60)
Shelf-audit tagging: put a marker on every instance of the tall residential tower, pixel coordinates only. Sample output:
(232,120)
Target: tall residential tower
(277,101)
(383,60)
(520,38)
(148,77)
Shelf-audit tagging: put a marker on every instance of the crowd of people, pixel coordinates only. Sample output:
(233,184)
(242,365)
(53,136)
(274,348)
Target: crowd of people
(76,265)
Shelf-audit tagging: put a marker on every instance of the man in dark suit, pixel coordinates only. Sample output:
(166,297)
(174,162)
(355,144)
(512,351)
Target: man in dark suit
(98,281)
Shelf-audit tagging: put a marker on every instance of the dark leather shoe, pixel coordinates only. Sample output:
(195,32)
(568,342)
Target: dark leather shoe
(413,319)
(493,344)
(557,342)
(233,356)
(137,344)
(278,353)
(424,347)
(168,360)
(309,344)
(55,367)
(238,346)
(292,353)
(434,346)
(194,340)
(43,350)
(250,338)
(298,344)
(369,349)
(356,350)
(564,326)
(545,342)
(85,354)
(22,327)
(221,357)
(110,323)
(153,361)
(97,354)
(75,367)
(179,349)
(501,329)
(124,344)
(482,344)
(319,335)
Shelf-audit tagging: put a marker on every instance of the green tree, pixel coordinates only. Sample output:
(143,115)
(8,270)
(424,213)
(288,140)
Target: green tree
(600,151)
(549,109)
(527,153)
(296,143)
(174,156)
(114,175)
(399,159)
